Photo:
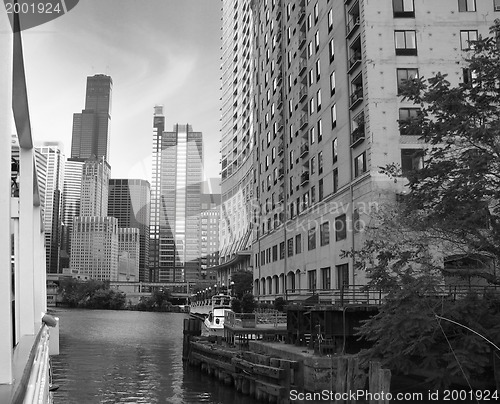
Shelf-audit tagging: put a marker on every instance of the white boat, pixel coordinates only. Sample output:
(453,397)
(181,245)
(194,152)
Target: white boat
(214,322)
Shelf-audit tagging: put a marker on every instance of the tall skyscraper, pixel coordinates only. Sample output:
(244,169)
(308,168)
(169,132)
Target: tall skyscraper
(175,202)
(91,126)
(237,131)
(128,254)
(129,201)
(209,235)
(52,206)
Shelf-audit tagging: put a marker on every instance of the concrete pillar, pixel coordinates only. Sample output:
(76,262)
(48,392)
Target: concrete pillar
(26,244)
(5,156)
(39,285)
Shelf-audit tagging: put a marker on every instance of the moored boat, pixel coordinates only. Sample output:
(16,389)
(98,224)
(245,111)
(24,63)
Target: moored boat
(214,322)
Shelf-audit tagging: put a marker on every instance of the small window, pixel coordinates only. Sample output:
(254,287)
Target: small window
(342,276)
(282,250)
(320,130)
(320,190)
(325,278)
(330,20)
(275,253)
(316,40)
(311,279)
(309,49)
(316,13)
(406,115)
(332,83)
(318,69)
(403,8)
(335,180)
(404,75)
(466,5)
(335,150)
(331,50)
(360,164)
(467,38)
(318,100)
(311,239)
(496,5)
(298,244)
(320,163)
(334,115)
(406,42)
(324,234)
(290,247)
(411,160)
(340,228)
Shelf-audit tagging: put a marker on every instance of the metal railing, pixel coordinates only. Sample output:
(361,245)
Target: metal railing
(343,296)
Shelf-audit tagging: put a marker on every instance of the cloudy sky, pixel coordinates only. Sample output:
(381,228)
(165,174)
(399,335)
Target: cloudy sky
(156,51)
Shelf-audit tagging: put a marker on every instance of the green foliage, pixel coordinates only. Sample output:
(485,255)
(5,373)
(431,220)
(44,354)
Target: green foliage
(243,282)
(158,301)
(90,294)
(236,305)
(279,304)
(248,303)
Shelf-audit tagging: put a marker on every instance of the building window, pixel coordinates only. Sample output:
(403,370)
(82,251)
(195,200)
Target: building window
(320,163)
(320,131)
(318,69)
(275,253)
(403,8)
(311,106)
(312,135)
(360,164)
(411,160)
(309,22)
(333,112)
(298,244)
(311,239)
(335,180)
(357,224)
(311,279)
(325,278)
(496,4)
(262,258)
(313,195)
(404,75)
(312,164)
(406,115)
(331,50)
(318,99)
(316,40)
(342,276)
(466,5)
(334,150)
(332,83)
(330,20)
(467,38)
(290,246)
(309,49)
(311,77)
(340,228)
(320,190)
(406,42)
(282,250)
(324,234)
(316,13)
(291,159)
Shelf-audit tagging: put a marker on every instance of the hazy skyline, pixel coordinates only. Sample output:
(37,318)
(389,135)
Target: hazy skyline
(156,51)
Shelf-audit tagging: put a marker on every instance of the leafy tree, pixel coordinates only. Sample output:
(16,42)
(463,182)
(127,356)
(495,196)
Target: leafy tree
(279,304)
(243,281)
(247,303)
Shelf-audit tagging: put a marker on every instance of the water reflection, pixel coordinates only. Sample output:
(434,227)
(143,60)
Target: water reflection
(129,357)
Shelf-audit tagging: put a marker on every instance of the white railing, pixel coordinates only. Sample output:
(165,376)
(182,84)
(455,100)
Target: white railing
(37,390)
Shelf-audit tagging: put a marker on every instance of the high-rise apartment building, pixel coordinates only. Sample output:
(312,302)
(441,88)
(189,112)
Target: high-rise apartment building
(129,201)
(91,126)
(52,205)
(175,202)
(325,108)
(237,136)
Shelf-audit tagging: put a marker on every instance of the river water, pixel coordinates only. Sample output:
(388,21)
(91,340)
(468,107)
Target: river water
(129,357)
